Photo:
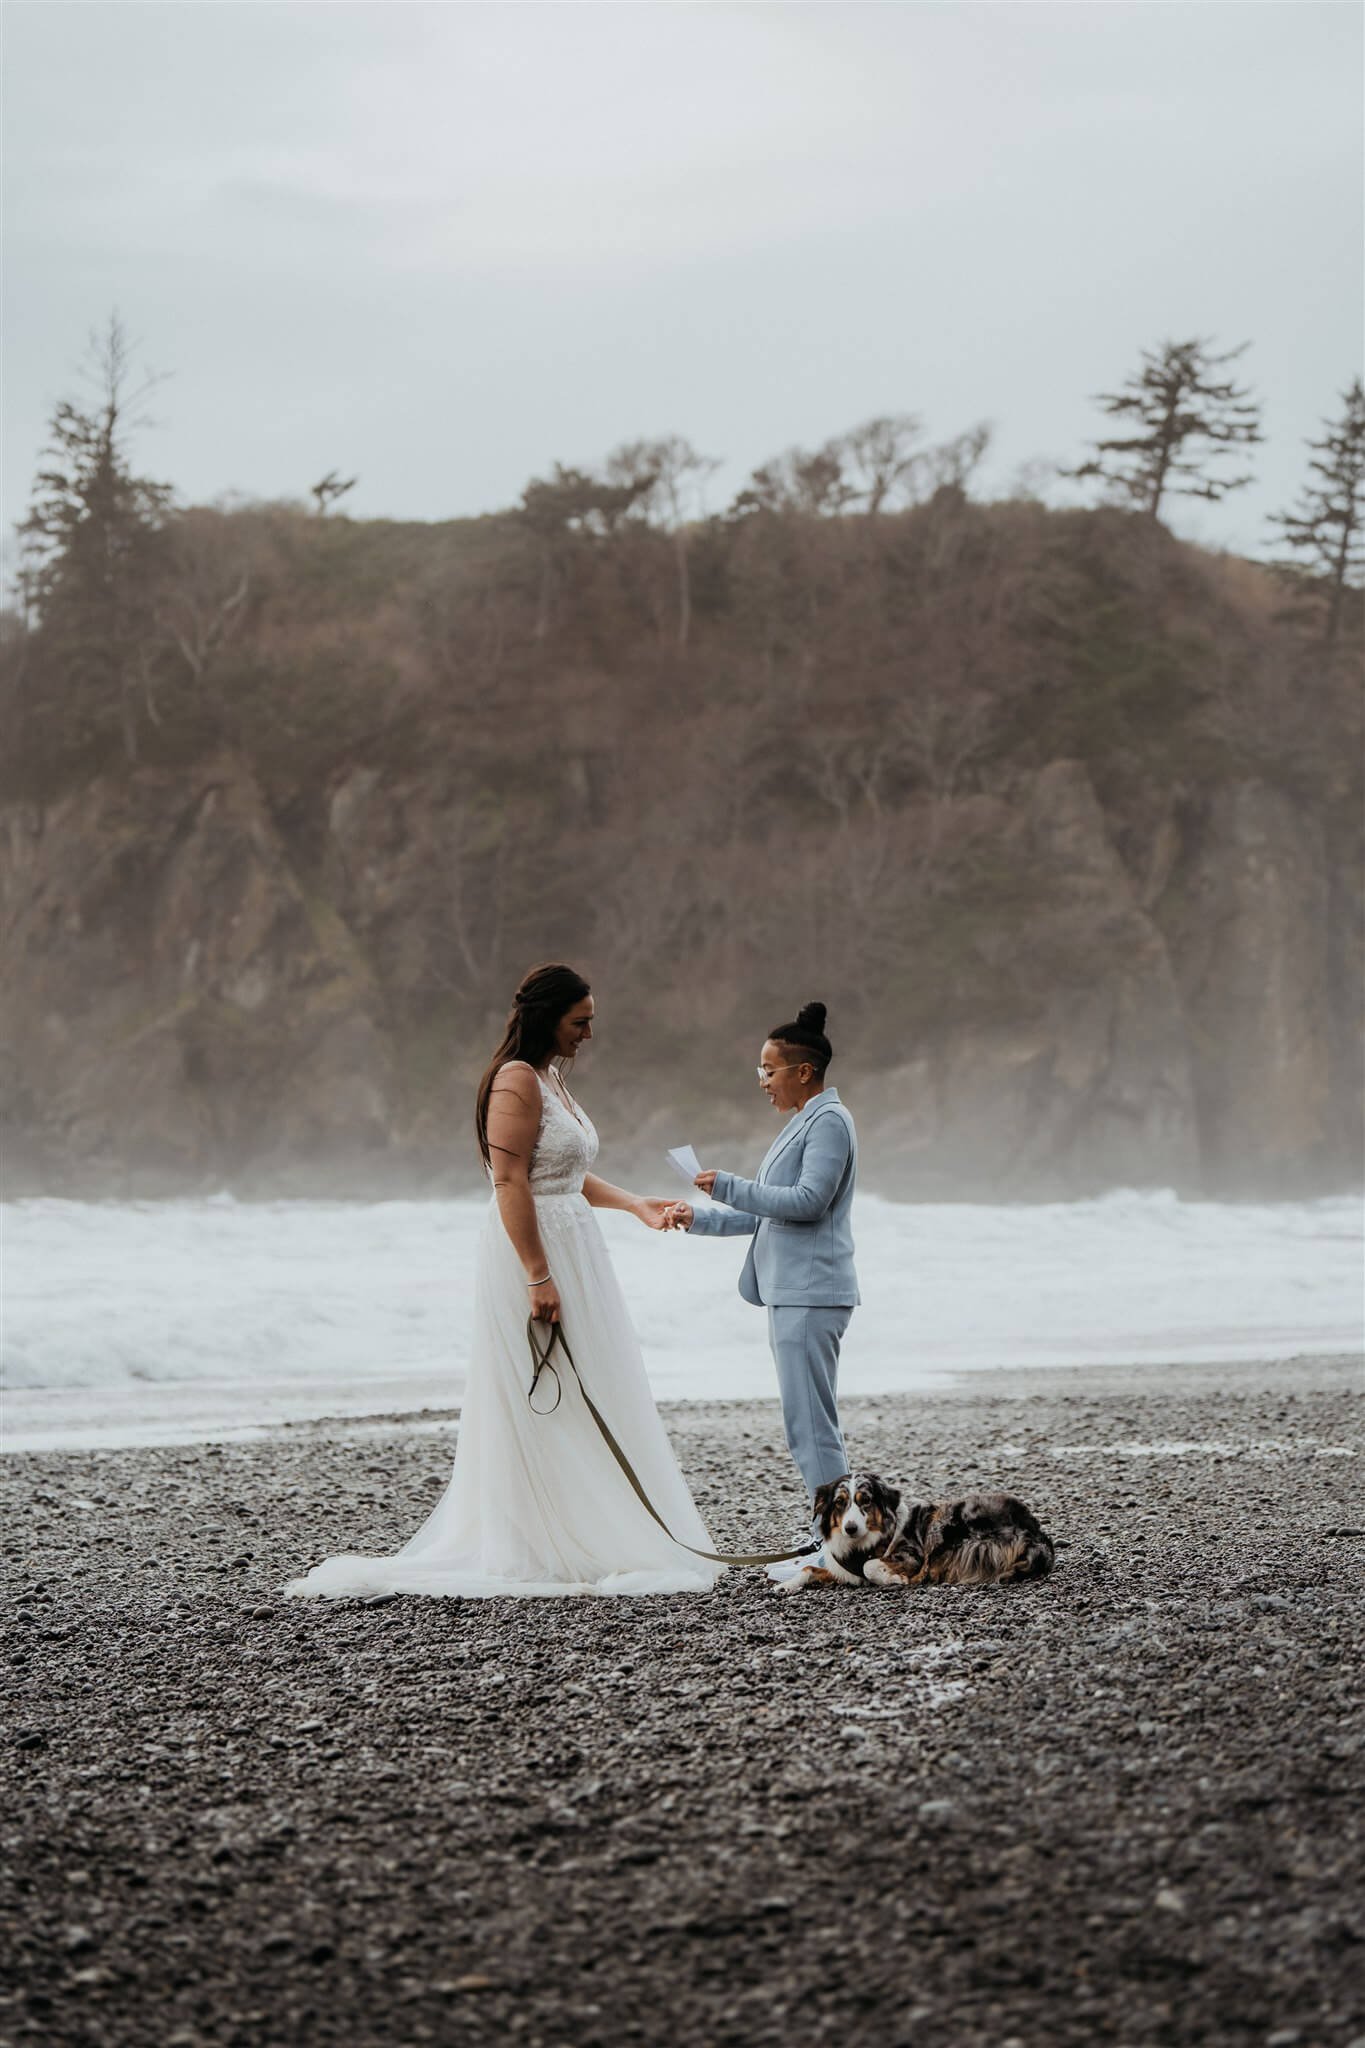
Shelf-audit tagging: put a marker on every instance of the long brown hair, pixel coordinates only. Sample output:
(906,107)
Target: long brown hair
(543,997)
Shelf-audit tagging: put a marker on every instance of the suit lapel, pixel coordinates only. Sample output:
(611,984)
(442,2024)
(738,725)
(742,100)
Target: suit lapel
(798,1123)
(780,1144)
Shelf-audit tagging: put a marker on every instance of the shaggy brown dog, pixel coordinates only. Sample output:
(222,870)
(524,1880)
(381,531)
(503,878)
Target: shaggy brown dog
(873,1536)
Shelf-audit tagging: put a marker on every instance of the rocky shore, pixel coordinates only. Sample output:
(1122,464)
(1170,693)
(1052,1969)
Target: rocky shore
(1123,1805)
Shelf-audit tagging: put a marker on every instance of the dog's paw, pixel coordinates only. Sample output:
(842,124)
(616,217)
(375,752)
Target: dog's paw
(796,1584)
(877,1573)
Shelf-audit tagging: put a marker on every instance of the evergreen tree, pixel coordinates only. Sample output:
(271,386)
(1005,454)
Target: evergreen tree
(1329,529)
(1176,401)
(93,544)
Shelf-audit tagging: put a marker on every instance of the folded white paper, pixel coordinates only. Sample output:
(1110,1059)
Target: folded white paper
(685,1162)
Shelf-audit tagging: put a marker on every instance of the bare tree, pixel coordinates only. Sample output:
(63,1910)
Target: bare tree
(1176,401)
(943,733)
(851,773)
(203,590)
(1327,531)
(667,476)
(567,509)
(329,488)
(814,485)
(955,462)
(884,457)
(475,873)
(1032,477)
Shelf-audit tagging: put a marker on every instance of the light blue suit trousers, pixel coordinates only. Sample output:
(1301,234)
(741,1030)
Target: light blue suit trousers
(799,1267)
(805,1344)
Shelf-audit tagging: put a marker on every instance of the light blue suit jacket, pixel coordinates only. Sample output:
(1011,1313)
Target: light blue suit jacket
(798,1212)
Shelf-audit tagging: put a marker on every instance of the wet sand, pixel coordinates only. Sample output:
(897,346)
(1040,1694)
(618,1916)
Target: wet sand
(1122,1805)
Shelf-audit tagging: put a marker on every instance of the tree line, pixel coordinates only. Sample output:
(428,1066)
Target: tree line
(607,725)
(124,597)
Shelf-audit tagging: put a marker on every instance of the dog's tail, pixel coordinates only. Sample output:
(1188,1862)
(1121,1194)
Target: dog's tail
(1003,1559)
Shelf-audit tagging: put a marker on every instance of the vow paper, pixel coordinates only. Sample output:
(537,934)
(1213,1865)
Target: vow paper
(684,1161)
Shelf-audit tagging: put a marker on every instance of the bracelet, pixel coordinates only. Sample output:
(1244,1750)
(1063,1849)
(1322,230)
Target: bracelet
(541,1282)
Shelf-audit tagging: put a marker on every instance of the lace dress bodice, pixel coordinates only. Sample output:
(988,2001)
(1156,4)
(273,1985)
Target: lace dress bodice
(566,1147)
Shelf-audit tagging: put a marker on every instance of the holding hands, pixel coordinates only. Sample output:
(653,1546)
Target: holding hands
(660,1212)
(656,1213)
(680,1214)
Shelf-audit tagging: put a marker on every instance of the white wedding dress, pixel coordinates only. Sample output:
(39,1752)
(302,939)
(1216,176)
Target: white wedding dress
(536,1503)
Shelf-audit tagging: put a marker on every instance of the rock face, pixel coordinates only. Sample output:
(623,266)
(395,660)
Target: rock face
(189,1000)
(1092,1086)
(177,998)
(1247,915)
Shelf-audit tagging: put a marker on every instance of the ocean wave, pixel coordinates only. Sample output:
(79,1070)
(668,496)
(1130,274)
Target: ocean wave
(106,1294)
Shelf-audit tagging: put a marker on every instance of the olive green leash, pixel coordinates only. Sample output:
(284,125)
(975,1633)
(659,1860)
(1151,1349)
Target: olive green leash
(543,1361)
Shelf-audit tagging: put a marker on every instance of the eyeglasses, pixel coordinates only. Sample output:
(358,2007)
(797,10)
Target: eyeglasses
(766,1073)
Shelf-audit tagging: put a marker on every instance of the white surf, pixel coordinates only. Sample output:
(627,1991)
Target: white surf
(170,1321)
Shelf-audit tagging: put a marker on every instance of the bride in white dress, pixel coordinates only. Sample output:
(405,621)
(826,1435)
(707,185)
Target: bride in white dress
(536,1503)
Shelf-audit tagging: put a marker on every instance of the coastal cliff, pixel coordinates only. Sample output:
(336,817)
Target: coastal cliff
(1078,925)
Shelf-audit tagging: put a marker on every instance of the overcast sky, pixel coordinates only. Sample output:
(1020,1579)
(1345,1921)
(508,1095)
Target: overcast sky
(444,245)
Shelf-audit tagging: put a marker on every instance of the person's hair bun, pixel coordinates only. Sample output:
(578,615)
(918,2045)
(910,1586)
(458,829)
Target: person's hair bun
(807,1035)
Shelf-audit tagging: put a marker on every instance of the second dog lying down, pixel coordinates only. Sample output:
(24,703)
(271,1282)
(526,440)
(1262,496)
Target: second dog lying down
(871,1534)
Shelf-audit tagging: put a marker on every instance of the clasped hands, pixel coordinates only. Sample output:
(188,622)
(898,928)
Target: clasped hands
(660,1215)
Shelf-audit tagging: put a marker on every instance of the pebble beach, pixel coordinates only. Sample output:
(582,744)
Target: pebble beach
(1123,1805)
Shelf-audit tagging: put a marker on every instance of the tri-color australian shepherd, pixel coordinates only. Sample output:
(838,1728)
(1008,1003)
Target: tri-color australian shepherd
(874,1536)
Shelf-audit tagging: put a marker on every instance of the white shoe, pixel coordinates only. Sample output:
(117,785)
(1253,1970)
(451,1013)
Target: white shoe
(792,1567)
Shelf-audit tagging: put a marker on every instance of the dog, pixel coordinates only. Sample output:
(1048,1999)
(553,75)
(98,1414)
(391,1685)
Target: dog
(874,1537)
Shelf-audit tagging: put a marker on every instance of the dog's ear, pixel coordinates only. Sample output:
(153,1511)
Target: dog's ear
(891,1498)
(823,1496)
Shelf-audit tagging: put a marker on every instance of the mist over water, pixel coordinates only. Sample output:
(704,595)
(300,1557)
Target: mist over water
(150,1322)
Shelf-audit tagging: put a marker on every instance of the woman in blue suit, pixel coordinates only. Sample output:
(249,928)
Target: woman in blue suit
(797,1215)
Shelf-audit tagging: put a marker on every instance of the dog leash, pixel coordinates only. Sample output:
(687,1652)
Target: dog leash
(542,1361)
